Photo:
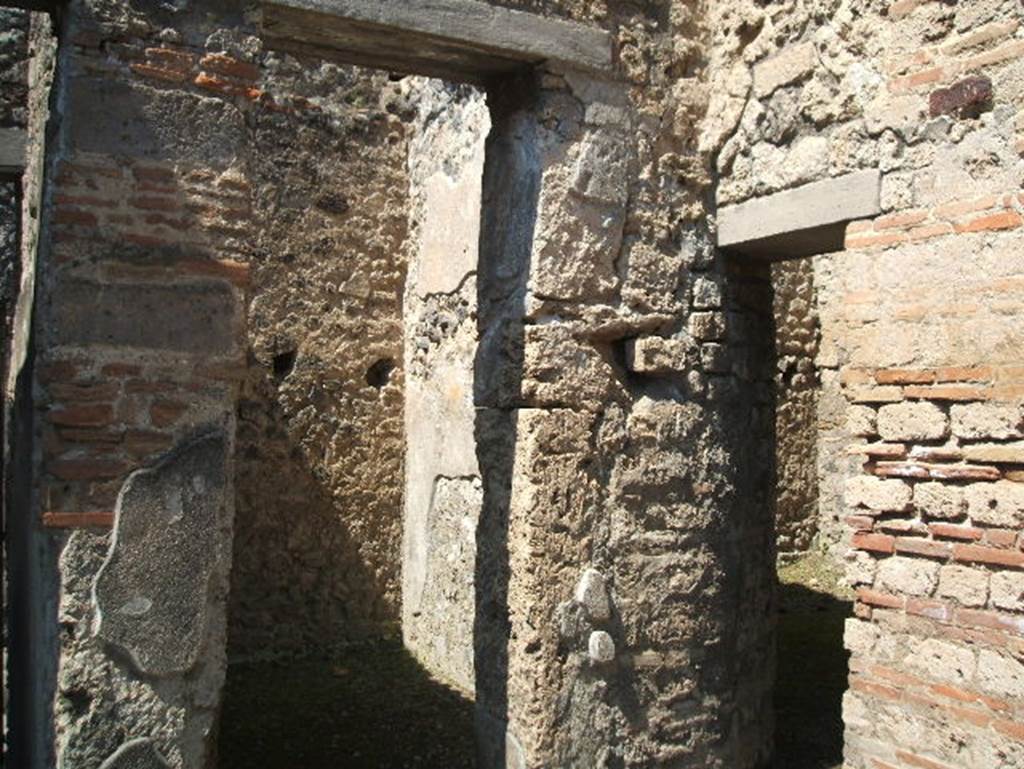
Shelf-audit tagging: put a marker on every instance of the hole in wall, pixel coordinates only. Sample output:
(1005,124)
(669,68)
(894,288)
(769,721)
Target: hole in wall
(379,374)
(284,363)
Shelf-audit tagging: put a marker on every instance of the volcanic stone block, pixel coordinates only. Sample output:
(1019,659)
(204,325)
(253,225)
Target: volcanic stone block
(912,421)
(807,220)
(965,99)
(787,66)
(454,39)
(185,318)
(152,593)
(137,754)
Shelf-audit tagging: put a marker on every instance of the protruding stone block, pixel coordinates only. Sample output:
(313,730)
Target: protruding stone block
(601,647)
(807,220)
(656,355)
(152,593)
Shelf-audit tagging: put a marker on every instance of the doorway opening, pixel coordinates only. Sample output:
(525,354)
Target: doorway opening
(358,494)
(814,601)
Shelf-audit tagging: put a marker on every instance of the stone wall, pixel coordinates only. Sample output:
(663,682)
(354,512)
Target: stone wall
(920,351)
(797,389)
(320,434)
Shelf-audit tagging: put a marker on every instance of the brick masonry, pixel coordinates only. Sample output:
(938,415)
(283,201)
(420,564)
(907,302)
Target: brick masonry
(921,402)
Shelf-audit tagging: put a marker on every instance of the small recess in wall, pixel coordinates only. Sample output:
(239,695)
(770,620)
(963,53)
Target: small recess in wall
(284,362)
(379,374)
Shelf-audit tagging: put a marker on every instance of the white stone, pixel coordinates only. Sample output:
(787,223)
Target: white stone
(939,500)
(1000,675)
(910,576)
(911,421)
(966,585)
(1007,589)
(987,420)
(601,647)
(787,66)
(996,504)
(861,421)
(878,494)
(945,660)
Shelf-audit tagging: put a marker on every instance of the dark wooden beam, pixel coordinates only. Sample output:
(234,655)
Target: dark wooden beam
(462,40)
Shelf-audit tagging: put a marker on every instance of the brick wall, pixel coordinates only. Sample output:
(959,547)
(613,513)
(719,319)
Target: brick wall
(920,363)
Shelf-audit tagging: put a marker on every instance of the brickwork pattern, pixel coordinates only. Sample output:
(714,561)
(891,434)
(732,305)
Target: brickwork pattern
(920,351)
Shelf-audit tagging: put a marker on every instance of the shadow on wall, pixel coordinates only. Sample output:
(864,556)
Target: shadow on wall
(300,584)
(812,678)
(511,189)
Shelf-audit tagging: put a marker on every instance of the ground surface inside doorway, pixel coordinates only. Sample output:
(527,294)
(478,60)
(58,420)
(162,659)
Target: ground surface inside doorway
(366,707)
(812,665)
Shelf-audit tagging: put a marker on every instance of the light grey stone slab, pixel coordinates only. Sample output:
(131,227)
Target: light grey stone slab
(807,220)
(456,39)
(136,754)
(12,150)
(152,591)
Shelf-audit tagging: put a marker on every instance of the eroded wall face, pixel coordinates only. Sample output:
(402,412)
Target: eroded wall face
(14,56)
(920,353)
(320,431)
(443,489)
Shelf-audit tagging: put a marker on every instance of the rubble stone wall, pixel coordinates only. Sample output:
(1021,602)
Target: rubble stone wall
(797,335)
(320,431)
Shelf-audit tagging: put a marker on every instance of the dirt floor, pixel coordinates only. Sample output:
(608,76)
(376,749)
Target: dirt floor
(370,707)
(373,707)
(812,665)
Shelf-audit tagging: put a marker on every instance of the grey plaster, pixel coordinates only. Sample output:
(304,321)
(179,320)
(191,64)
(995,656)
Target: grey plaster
(185,317)
(137,754)
(457,39)
(152,592)
(802,221)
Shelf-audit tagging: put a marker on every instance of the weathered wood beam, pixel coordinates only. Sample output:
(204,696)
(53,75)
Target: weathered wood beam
(462,40)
